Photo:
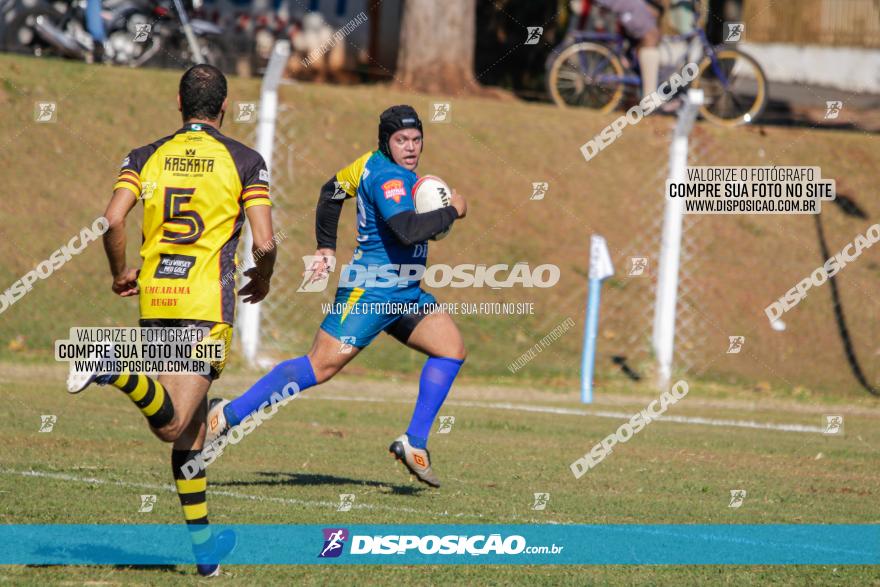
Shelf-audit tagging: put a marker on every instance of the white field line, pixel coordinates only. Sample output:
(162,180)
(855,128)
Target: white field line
(598,414)
(471,404)
(236,495)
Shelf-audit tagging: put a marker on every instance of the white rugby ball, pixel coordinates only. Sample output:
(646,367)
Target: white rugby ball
(431,193)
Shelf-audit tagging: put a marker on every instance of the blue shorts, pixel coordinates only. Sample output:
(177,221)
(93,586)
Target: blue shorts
(359,315)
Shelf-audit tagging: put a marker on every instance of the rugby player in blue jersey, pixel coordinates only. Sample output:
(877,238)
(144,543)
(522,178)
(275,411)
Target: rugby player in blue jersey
(368,301)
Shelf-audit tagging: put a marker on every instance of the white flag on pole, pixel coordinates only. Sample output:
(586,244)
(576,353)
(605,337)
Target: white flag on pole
(600,259)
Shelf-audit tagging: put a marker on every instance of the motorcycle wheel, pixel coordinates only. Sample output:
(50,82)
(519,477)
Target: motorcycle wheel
(22,38)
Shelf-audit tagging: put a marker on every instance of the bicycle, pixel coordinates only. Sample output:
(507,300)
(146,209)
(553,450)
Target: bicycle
(593,68)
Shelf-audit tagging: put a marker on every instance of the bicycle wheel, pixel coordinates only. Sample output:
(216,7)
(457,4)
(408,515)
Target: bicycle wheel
(737,96)
(586,75)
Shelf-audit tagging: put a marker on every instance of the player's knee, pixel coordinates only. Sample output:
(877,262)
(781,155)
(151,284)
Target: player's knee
(169,433)
(323,371)
(458,352)
(325,374)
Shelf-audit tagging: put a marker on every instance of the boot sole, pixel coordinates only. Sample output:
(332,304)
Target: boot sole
(398,452)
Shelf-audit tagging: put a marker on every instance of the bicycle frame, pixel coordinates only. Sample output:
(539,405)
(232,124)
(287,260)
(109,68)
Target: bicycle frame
(624,49)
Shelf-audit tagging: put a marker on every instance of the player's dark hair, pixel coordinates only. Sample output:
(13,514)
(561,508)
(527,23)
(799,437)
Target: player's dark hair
(202,91)
(393,120)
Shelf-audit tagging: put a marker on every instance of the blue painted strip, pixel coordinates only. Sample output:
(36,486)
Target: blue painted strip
(588,359)
(662,544)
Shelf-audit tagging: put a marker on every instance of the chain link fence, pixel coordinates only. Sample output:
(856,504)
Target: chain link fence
(732,266)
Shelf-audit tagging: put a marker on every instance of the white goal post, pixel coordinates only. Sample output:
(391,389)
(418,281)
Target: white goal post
(248,315)
(663,338)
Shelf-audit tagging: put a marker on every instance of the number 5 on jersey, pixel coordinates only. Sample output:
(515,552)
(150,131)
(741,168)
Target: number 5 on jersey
(175,200)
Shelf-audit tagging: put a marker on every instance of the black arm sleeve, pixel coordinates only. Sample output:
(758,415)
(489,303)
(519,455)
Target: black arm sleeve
(410,227)
(327,214)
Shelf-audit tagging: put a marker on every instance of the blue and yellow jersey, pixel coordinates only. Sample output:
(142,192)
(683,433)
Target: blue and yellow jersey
(195,186)
(349,177)
(384,190)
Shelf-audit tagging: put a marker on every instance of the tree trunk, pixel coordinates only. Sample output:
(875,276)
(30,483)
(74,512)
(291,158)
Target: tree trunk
(437,42)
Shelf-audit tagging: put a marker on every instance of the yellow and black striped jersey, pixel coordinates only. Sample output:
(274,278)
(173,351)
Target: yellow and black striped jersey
(195,186)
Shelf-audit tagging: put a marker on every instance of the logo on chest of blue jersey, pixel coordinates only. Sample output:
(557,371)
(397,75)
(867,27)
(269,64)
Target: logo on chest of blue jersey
(394,190)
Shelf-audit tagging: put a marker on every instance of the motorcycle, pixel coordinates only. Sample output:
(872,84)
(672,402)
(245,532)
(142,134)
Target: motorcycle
(139,32)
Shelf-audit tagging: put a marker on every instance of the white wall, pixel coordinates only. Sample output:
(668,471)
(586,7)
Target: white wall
(844,68)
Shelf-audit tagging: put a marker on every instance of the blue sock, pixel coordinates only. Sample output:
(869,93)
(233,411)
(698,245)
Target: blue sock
(298,371)
(437,377)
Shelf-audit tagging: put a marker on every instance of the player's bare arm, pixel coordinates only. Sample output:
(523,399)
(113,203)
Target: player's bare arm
(264,252)
(124,278)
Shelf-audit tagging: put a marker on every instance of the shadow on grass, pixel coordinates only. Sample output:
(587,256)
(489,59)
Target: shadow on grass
(144,567)
(164,568)
(277,478)
(102,552)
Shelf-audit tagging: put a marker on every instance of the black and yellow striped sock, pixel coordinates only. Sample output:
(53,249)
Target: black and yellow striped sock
(193,501)
(148,395)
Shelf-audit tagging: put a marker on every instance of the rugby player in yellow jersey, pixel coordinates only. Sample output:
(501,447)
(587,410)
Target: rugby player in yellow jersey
(196,186)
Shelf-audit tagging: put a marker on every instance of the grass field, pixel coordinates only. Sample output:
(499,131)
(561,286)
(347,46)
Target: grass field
(513,435)
(99,459)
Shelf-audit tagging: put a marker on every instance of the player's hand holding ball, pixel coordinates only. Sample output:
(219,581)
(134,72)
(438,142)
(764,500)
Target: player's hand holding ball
(459,203)
(432,193)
